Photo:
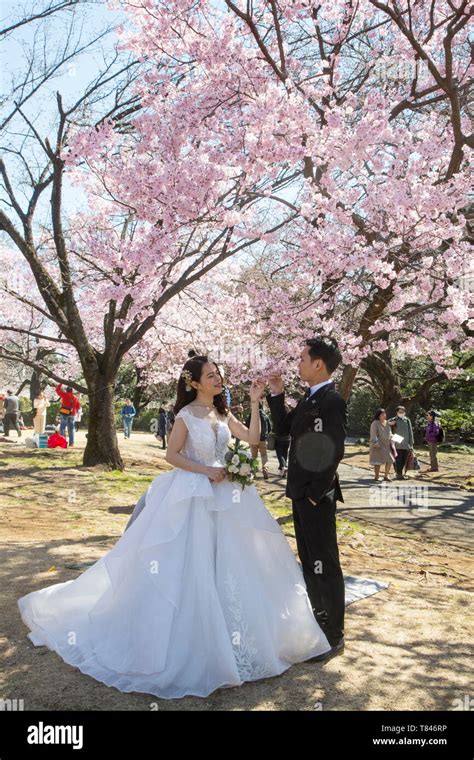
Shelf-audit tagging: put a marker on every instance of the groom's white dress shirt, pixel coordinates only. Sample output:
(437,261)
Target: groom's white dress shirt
(316,387)
(313,388)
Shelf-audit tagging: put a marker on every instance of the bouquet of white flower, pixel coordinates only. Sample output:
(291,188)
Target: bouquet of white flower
(240,465)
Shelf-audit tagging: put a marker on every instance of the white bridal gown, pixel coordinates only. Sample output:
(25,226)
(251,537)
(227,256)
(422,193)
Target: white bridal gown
(201,591)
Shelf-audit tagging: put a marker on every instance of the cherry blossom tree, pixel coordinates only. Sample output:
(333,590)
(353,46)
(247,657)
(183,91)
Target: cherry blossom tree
(55,311)
(354,117)
(332,135)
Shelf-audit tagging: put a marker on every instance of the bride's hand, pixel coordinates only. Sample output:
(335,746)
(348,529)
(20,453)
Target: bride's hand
(256,390)
(216,474)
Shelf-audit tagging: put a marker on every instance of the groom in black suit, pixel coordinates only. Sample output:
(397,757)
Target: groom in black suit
(317,426)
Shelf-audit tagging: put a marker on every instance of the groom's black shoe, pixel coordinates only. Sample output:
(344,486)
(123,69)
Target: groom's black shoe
(333,652)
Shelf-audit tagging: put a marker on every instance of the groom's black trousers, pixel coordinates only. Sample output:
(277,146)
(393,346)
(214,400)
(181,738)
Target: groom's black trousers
(316,539)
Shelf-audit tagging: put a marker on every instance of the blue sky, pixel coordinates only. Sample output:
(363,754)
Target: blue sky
(90,19)
(50,38)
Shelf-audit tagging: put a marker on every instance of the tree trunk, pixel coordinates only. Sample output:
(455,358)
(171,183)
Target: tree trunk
(379,367)
(349,374)
(35,385)
(391,398)
(102,444)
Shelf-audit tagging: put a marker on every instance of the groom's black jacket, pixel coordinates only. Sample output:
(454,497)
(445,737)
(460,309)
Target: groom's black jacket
(317,426)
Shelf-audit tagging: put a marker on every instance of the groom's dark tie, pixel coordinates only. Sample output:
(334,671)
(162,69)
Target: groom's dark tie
(307,393)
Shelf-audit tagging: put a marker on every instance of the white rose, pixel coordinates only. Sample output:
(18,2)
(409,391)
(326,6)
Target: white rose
(233,468)
(235,459)
(245,469)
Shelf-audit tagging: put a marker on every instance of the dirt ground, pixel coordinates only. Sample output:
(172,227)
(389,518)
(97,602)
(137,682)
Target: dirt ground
(407,648)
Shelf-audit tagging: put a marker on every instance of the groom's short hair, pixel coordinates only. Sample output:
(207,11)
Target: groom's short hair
(325,348)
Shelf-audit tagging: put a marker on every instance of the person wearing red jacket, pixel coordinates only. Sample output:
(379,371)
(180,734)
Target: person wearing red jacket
(69,406)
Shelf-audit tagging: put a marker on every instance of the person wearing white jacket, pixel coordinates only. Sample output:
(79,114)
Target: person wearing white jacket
(40,404)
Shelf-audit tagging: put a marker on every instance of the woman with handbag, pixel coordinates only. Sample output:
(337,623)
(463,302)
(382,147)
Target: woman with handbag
(380,448)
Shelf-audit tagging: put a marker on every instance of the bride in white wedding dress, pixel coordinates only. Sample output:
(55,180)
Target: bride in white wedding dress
(202,589)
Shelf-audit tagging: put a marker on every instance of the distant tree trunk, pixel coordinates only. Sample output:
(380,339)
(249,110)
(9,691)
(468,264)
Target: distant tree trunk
(141,395)
(380,369)
(35,385)
(349,374)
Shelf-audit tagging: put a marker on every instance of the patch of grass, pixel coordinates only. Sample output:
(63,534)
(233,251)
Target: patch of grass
(47,458)
(348,527)
(113,482)
(352,450)
(123,476)
(460,448)
(278,506)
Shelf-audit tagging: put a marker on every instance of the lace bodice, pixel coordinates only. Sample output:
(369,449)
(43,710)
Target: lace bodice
(207,442)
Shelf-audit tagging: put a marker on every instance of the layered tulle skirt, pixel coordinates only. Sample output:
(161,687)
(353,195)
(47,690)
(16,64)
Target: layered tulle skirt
(201,591)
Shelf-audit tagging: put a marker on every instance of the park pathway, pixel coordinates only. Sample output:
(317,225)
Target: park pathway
(435,511)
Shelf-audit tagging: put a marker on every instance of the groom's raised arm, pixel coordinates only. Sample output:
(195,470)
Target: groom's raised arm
(281,416)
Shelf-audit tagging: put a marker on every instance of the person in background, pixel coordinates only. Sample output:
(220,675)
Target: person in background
(432,430)
(69,406)
(162,423)
(265,427)
(380,448)
(401,425)
(169,420)
(11,406)
(78,418)
(40,405)
(282,444)
(128,413)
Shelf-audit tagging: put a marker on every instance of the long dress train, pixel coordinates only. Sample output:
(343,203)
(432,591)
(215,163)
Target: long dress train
(201,591)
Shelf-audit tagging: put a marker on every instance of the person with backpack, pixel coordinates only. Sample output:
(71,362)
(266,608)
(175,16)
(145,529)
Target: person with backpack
(69,406)
(265,427)
(434,434)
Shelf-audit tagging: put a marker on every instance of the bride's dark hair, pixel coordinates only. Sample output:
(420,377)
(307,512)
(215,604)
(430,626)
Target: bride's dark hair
(195,364)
